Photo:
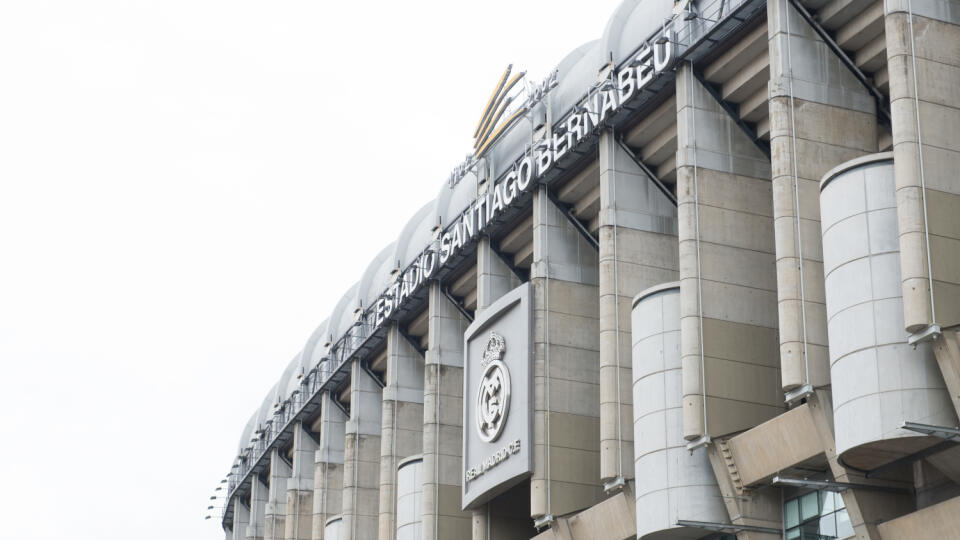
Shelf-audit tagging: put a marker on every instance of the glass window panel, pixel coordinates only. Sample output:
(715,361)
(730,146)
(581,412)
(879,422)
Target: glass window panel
(840,503)
(809,506)
(844,528)
(828,503)
(811,531)
(793,534)
(791,513)
(828,526)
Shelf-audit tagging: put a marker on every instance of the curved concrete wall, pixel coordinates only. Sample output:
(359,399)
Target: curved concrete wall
(333,528)
(672,483)
(409,486)
(879,381)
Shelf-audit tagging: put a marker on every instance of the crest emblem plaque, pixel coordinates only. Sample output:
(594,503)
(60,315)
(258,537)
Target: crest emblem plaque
(497,398)
(493,393)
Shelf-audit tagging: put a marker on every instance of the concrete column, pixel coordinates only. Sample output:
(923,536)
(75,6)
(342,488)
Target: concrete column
(481,523)
(728,294)
(761,508)
(638,249)
(566,339)
(443,422)
(820,117)
(934,46)
(866,508)
(947,349)
(728,286)
(299,518)
(401,422)
(328,465)
(276,509)
(941,520)
(361,464)
(494,277)
(259,493)
(241,520)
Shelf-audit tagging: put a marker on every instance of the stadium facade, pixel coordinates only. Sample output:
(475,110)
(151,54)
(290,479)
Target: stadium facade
(703,281)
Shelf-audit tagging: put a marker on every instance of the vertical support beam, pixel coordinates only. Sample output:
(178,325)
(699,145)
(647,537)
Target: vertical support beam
(733,112)
(882,107)
(299,517)
(567,212)
(757,509)
(443,421)
(566,365)
(728,296)
(328,463)
(820,116)
(361,467)
(259,493)
(276,509)
(241,520)
(947,349)
(401,426)
(638,249)
(923,60)
(728,289)
(494,277)
(866,508)
(481,523)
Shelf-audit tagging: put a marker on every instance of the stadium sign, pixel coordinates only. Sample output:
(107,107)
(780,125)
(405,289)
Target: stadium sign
(600,103)
(498,398)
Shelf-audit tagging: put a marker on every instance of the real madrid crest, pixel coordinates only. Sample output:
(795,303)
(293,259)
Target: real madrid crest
(493,394)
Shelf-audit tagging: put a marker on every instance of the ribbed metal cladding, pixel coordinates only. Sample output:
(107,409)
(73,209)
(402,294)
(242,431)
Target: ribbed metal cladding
(879,381)
(332,529)
(409,498)
(671,483)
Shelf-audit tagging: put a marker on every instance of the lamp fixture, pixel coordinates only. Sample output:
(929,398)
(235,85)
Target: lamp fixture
(830,485)
(944,432)
(726,527)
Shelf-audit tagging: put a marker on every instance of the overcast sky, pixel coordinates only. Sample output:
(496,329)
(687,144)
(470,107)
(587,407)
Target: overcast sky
(186,190)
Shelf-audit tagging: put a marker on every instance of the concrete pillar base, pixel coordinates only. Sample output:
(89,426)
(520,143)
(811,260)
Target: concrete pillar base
(611,519)
(938,521)
(298,524)
(947,350)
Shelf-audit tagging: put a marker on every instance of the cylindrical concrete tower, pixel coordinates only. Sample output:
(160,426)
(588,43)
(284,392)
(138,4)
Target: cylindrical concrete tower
(879,381)
(333,527)
(409,485)
(672,483)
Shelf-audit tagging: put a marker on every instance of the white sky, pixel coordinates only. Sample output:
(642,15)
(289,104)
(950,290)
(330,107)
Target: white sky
(186,190)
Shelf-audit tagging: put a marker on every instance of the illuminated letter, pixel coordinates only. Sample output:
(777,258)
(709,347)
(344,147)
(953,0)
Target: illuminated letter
(560,146)
(444,248)
(388,306)
(428,268)
(467,223)
(663,54)
(404,289)
(573,126)
(497,204)
(625,85)
(544,160)
(379,311)
(524,173)
(589,120)
(481,218)
(457,241)
(510,188)
(609,104)
(644,70)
